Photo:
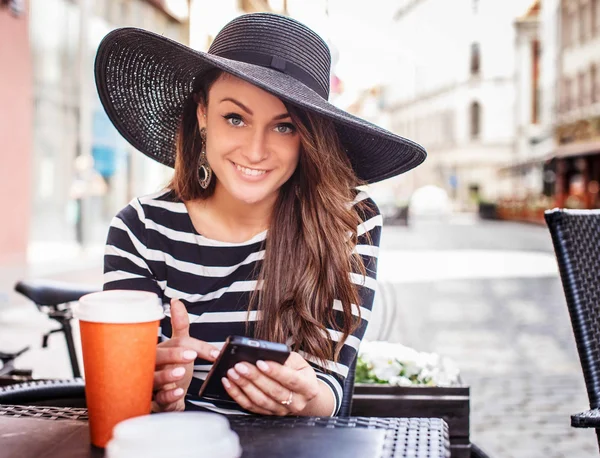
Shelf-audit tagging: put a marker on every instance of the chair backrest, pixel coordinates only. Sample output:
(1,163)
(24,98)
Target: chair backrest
(56,393)
(576,238)
(346,407)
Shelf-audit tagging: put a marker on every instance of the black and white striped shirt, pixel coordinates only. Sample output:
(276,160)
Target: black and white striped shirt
(152,246)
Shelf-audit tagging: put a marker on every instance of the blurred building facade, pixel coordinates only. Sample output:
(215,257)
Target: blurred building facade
(577,134)
(82,170)
(558,129)
(15,130)
(455,91)
(529,178)
(529,128)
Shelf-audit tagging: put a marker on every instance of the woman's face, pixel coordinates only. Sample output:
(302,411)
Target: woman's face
(251,144)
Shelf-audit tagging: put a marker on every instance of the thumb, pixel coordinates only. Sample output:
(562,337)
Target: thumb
(180,321)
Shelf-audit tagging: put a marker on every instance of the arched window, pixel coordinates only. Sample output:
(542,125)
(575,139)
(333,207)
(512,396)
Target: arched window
(594,13)
(475,59)
(475,120)
(565,27)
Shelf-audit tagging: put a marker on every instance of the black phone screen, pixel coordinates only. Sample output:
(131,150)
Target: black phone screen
(239,349)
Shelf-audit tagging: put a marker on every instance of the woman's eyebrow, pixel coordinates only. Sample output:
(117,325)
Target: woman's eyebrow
(249,111)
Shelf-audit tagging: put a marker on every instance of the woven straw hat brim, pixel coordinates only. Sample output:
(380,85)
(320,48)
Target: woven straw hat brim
(143,80)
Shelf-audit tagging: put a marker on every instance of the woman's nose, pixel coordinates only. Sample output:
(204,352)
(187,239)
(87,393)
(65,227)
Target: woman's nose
(256,150)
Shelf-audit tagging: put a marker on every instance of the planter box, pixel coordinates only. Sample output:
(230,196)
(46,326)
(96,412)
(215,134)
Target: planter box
(451,404)
(488,210)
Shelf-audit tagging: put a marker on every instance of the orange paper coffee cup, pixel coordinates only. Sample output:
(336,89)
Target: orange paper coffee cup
(119,332)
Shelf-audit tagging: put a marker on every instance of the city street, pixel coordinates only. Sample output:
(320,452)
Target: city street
(486,294)
(493,110)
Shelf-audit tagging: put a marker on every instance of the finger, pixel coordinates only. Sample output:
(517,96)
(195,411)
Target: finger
(174,355)
(267,385)
(255,394)
(175,406)
(165,397)
(180,320)
(167,376)
(238,396)
(204,350)
(295,361)
(168,386)
(286,376)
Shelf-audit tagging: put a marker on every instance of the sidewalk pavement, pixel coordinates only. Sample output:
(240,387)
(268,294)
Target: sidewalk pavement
(21,324)
(500,313)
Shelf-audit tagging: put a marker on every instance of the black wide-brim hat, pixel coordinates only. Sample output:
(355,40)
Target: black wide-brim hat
(143,80)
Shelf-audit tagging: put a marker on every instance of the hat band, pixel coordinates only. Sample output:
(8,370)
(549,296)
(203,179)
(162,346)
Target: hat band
(279,64)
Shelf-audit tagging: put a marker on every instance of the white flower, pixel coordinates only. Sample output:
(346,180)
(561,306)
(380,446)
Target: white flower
(386,371)
(399,365)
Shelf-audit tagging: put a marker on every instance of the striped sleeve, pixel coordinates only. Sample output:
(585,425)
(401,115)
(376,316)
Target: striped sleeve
(125,253)
(369,236)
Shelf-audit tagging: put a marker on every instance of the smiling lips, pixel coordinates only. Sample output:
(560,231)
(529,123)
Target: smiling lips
(247,172)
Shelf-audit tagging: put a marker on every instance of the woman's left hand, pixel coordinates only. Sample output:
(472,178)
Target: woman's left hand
(267,387)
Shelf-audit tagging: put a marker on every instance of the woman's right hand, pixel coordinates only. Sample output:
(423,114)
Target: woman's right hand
(175,362)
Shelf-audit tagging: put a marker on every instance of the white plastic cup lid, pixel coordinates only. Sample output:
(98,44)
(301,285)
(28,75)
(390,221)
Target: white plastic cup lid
(119,306)
(181,434)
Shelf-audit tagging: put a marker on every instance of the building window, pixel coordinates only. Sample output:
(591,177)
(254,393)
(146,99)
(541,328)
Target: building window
(573,28)
(566,28)
(475,59)
(581,90)
(475,120)
(594,17)
(588,21)
(582,20)
(594,84)
(562,103)
(535,83)
(568,95)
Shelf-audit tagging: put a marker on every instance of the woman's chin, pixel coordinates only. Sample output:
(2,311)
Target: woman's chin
(251,196)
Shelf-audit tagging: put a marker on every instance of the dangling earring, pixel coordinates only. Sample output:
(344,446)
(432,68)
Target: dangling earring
(204,170)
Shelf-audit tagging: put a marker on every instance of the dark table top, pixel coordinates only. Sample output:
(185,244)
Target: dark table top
(34,431)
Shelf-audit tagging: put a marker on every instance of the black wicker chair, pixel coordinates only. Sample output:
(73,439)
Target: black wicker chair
(56,393)
(346,407)
(576,239)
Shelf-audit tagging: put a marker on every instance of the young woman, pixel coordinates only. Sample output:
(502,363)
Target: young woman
(262,231)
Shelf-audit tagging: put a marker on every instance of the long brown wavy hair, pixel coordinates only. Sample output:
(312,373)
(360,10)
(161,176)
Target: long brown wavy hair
(313,226)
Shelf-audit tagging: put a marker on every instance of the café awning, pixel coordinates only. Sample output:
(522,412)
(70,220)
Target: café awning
(523,164)
(577,149)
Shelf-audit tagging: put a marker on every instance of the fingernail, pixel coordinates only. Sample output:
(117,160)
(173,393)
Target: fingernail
(178,392)
(233,374)
(178,372)
(226,382)
(241,368)
(215,353)
(262,366)
(190,355)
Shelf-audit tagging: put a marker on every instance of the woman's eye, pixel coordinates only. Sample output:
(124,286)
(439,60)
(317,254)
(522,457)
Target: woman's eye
(234,120)
(285,128)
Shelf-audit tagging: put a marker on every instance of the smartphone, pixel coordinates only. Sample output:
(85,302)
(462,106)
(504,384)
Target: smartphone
(235,350)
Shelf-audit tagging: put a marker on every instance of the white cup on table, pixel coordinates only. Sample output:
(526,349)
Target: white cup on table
(175,434)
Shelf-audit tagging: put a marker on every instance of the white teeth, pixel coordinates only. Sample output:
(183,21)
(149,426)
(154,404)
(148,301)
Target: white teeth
(250,172)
